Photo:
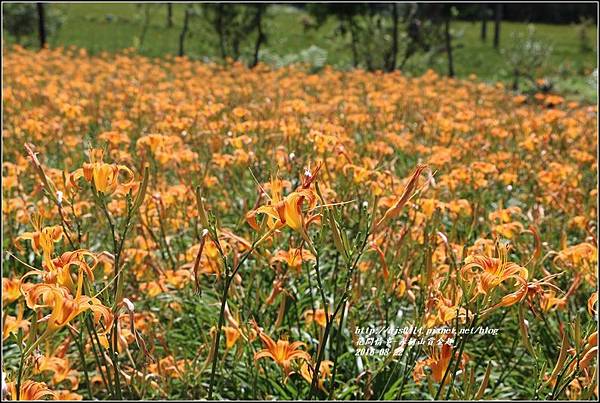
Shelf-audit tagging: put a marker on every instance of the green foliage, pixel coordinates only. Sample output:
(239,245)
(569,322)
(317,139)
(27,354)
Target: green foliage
(314,57)
(526,55)
(369,31)
(583,28)
(20,20)
(233,24)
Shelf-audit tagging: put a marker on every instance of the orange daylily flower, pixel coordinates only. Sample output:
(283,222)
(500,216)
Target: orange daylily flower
(67,395)
(30,390)
(489,273)
(10,290)
(438,361)
(504,215)
(282,211)
(231,336)
(293,257)
(317,316)
(168,367)
(579,256)
(42,238)
(549,301)
(13,324)
(591,305)
(282,352)
(60,268)
(306,370)
(65,307)
(447,310)
(508,230)
(105,177)
(285,211)
(61,369)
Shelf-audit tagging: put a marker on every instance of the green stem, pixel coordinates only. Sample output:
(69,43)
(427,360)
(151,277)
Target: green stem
(228,280)
(94,338)
(337,351)
(114,356)
(330,321)
(20,374)
(218,336)
(78,343)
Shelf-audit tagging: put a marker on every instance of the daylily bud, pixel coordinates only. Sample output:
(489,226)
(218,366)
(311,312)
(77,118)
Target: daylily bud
(128,304)
(560,363)
(484,382)
(407,194)
(201,209)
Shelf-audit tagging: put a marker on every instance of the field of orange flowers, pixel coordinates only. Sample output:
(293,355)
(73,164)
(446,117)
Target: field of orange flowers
(175,229)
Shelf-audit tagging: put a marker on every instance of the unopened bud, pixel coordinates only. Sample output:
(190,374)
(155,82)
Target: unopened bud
(128,304)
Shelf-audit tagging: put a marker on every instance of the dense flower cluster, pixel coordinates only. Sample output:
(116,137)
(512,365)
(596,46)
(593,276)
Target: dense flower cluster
(154,209)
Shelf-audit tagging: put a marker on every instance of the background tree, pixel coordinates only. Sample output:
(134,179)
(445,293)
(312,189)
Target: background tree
(19,19)
(379,33)
(234,24)
(169,15)
(184,30)
(585,24)
(414,32)
(260,36)
(346,15)
(448,12)
(440,37)
(484,17)
(497,21)
(22,21)
(41,24)
(524,55)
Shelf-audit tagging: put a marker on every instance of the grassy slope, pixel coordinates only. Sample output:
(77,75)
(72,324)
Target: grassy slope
(111,27)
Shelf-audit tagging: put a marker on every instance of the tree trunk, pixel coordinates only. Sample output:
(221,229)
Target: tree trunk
(448,38)
(484,17)
(183,33)
(498,19)
(394,55)
(41,25)
(169,15)
(260,38)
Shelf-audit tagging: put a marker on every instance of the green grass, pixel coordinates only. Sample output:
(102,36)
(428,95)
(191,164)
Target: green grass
(112,27)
